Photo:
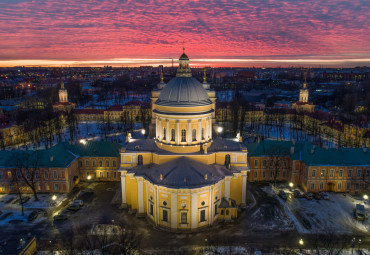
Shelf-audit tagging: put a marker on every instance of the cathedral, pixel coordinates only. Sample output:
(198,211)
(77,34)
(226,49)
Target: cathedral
(63,105)
(183,178)
(303,105)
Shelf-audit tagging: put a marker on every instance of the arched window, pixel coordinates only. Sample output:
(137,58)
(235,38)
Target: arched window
(227,159)
(183,135)
(203,134)
(173,135)
(164,134)
(140,160)
(194,135)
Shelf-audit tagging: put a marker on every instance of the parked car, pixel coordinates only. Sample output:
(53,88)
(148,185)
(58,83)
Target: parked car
(60,217)
(360,212)
(78,202)
(297,193)
(74,207)
(33,215)
(308,196)
(282,194)
(324,195)
(306,224)
(317,196)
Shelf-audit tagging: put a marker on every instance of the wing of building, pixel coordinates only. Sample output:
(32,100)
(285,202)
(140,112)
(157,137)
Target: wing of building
(183,178)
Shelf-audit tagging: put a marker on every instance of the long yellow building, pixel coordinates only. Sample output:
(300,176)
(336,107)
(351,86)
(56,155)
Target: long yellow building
(183,179)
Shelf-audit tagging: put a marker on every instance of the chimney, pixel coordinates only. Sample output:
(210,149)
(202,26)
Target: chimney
(51,158)
(161,177)
(205,177)
(292,150)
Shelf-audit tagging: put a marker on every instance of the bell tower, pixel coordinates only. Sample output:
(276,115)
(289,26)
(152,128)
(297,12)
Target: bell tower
(303,93)
(63,94)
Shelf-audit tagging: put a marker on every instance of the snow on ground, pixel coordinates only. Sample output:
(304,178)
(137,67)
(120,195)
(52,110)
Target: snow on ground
(326,216)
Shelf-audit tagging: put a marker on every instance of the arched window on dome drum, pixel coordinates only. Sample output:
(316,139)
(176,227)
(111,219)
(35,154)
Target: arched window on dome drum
(140,160)
(227,159)
(203,134)
(183,135)
(164,134)
(173,135)
(194,135)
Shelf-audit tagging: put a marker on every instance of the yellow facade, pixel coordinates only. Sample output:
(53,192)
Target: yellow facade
(183,197)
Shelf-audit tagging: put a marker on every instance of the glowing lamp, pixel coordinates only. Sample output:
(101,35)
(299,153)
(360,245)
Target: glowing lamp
(219,129)
(143,131)
(54,197)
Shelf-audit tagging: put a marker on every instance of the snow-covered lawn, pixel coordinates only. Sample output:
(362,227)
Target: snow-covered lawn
(326,216)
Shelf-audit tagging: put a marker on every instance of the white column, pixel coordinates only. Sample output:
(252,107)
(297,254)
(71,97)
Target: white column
(244,189)
(227,188)
(210,207)
(200,130)
(123,187)
(156,127)
(160,130)
(210,128)
(194,211)
(167,131)
(207,129)
(140,193)
(177,132)
(189,132)
(174,210)
(157,214)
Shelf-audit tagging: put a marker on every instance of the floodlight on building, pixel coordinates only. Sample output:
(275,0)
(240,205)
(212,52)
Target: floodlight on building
(83,141)
(219,129)
(143,131)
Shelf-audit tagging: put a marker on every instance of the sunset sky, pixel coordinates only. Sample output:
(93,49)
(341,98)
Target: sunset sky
(216,32)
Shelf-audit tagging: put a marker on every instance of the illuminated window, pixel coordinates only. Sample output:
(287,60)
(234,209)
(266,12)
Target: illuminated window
(322,172)
(331,172)
(183,135)
(194,135)
(172,135)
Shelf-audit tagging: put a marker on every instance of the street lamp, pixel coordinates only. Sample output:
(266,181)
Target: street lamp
(54,197)
(291,184)
(219,129)
(89,177)
(366,197)
(143,131)
(301,243)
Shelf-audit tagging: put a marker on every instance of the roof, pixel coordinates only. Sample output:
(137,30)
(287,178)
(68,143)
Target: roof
(269,148)
(115,108)
(184,56)
(92,149)
(53,157)
(183,172)
(89,111)
(183,91)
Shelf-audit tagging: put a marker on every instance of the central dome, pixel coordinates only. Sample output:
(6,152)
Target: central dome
(183,91)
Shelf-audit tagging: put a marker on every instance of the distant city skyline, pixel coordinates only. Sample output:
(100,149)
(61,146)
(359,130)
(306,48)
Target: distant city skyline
(216,33)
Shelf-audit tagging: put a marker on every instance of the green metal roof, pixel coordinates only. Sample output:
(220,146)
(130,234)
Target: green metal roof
(92,149)
(309,154)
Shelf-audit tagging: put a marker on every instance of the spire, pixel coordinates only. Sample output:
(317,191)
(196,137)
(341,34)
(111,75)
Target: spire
(183,47)
(162,74)
(61,84)
(305,84)
(205,75)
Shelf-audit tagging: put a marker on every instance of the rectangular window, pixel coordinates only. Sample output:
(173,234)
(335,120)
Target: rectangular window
(255,162)
(359,172)
(313,172)
(263,174)
(107,163)
(322,172)
(183,135)
(331,172)
(367,173)
(277,174)
(47,187)
(19,174)
(56,187)
(216,210)
(107,175)
(270,174)
(115,175)
(101,174)
(164,215)
(321,185)
(86,163)
(312,186)
(357,186)
(341,173)
(93,163)
(100,163)
(202,215)
(348,185)
(264,163)
(1,174)
(37,174)
(184,217)
(151,211)
(284,174)
(339,185)
(270,162)
(255,174)
(55,174)
(46,174)
(350,173)
(80,163)
(114,163)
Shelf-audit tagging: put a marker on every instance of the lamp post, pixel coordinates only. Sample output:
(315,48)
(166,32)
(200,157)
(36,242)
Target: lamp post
(301,243)
(219,131)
